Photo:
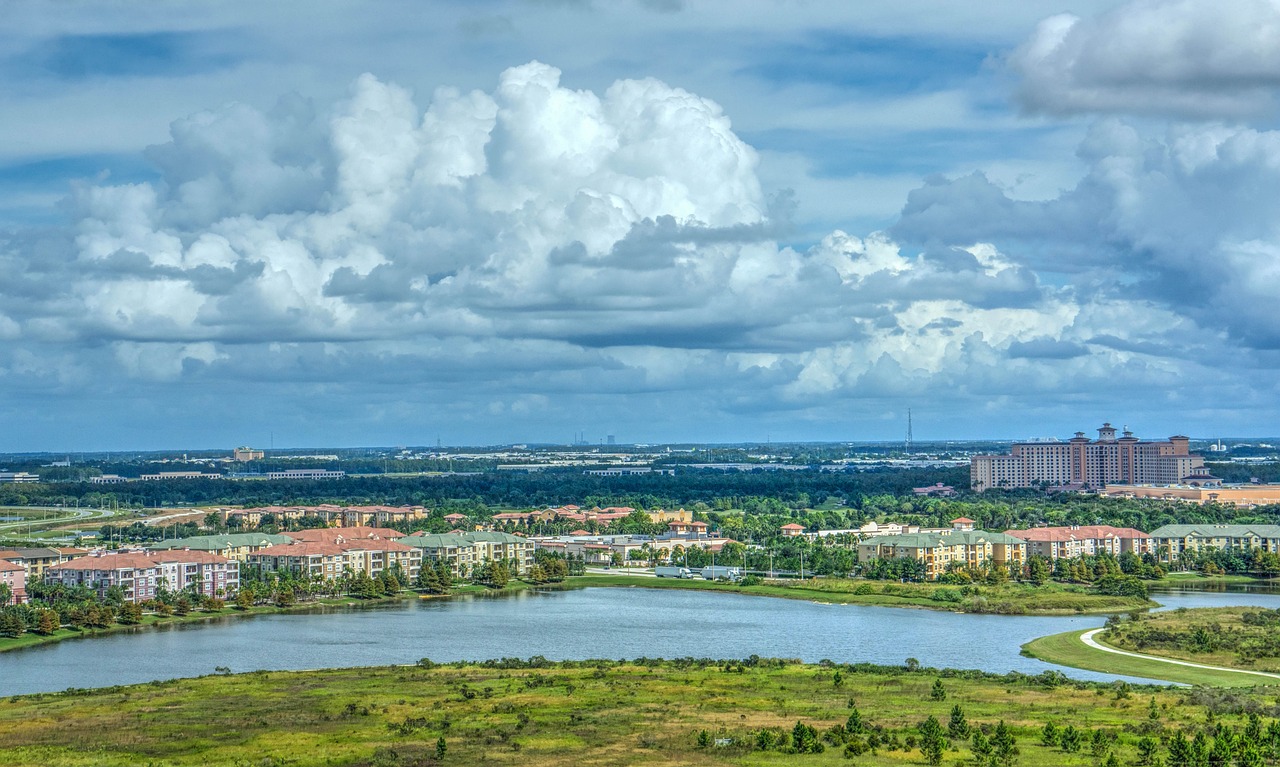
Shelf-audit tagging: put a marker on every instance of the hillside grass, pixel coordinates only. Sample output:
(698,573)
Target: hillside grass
(591,713)
(1067,649)
(1215,636)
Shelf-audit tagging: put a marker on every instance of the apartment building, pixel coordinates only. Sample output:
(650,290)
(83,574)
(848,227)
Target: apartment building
(313,559)
(331,551)
(938,551)
(140,574)
(464,551)
(374,556)
(38,560)
(1084,540)
(1173,540)
(1086,463)
(235,546)
(454,549)
(14,576)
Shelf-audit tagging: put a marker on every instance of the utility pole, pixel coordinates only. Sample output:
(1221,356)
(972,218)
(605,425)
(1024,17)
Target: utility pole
(908,451)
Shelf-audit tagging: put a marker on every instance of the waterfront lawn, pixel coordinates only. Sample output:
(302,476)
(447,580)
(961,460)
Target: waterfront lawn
(596,713)
(1008,598)
(1217,636)
(1067,649)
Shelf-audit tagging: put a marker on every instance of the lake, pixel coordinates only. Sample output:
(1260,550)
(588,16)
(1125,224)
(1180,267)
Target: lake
(563,624)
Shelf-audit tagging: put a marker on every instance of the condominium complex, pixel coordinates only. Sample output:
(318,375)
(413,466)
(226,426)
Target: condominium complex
(463,551)
(961,546)
(140,574)
(1082,462)
(330,552)
(1084,540)
(1173,540)
(14,576)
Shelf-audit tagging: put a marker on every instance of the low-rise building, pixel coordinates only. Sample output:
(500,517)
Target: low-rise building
(454,549)
(312,559)
(1084,540)
(235,546)
(14,576)
(141,574)
(306,474)
(167,475)
(1171,541)
(20,477)
(37,560)
(938,551)
(1206,492)
(465,551)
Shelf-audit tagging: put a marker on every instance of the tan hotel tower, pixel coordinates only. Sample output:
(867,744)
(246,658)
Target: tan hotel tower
(1087,463)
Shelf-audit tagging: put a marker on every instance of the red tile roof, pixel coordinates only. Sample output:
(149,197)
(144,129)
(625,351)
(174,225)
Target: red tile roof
(331,534)
(141,560)
(300,549)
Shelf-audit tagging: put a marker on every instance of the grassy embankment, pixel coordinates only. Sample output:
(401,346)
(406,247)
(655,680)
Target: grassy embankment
(1009,598)
(587,713)
(1067,649)
(1218,636)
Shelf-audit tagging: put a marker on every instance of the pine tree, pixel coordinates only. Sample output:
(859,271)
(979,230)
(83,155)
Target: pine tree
(1049,734)
(938,692)
(854,724)
(932,742)
(958,727)
(1004,744)
(1070,739)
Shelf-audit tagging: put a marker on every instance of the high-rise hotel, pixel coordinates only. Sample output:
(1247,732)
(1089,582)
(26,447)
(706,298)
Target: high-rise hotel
(1083,462)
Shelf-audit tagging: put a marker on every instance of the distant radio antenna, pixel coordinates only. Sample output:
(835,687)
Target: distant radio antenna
(909,440)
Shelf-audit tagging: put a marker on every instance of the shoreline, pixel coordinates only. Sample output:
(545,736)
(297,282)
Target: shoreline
(911,600)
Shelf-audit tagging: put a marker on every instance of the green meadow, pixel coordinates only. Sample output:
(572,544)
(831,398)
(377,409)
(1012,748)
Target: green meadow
(756,712)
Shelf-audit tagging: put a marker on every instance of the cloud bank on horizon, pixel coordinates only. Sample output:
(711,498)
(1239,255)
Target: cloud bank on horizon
(525,260)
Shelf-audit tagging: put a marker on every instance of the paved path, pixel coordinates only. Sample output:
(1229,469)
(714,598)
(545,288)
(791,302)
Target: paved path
(1087,638)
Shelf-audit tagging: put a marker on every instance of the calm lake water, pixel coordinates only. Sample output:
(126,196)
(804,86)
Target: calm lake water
(573,624)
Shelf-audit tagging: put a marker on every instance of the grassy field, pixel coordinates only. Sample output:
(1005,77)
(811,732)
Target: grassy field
(585,713)
(1216,636)
(1009,598)
(1067,649)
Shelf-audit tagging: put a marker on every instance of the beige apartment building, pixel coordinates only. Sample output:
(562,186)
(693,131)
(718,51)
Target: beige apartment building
(464,551)
(1192,491)
(1083,462)
(1173,540)
(938,551)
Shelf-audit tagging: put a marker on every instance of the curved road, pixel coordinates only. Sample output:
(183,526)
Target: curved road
(1087,638)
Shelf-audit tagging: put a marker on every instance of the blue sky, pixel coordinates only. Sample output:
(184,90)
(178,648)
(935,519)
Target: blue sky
(514,221)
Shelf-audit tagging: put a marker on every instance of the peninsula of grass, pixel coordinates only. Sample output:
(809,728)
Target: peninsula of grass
(533,713)
(1005,599)
(1187,578)
(1068,649)
(1234,637)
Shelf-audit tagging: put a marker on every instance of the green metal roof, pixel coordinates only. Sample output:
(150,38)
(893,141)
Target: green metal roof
(458,540)
(953,538)
(220,542)
(1217,531)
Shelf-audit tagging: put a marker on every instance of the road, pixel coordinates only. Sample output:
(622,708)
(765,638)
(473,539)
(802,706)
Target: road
(65,516)
(1087,638)
(621,571)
